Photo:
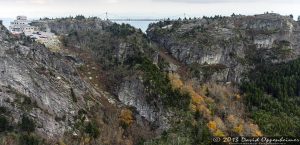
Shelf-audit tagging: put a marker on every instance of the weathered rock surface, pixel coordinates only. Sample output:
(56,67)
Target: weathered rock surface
(235,43)
(115,47)
(67,25)
(47,87)
(45,78)
(132,93)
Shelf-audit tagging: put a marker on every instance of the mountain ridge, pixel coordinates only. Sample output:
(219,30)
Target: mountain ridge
(112,84)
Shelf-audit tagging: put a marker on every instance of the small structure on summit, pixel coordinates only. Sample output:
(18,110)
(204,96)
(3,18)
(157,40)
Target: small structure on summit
(21,25)
(24,26)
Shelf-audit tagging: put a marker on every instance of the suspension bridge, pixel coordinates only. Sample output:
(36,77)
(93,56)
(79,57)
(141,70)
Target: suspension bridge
(114,17)
(128,19)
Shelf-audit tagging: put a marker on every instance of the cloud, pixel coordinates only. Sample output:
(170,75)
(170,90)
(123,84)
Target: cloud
(225,1)
(40,2)
(148,8)
(112,1)
(200,1)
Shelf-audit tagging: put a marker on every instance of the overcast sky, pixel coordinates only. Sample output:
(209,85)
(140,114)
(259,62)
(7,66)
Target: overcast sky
(144,8)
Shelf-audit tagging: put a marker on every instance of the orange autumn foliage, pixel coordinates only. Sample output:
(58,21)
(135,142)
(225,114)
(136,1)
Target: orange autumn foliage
(126,116)
(196,99)
(255,131)
(202,103)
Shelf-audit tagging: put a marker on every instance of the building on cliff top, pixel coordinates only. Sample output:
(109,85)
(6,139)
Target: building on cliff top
(21,25)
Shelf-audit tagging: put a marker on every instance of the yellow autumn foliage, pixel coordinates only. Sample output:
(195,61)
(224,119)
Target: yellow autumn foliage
(61,142)
(189,88)
(202,90)
(204,110)
(196,99)
(219,133)
(238,129)
(194,122)
(209,100)
(200,102)
(175,81)
(257,133)
(193,107)
(255,130)
(232,119)
(220,123)
(87,140)
(126,116)
(238,96)
(212,125)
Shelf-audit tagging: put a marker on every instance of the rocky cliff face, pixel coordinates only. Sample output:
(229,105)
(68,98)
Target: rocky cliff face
(111,51)
(67,25)
(115,50)
(232,43)
(34,73)
(133,93)
(47,87)
(108,85)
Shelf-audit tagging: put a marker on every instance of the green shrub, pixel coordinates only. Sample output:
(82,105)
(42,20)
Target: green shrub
(121,30)
(272,95)
(3,123)
(277,124)
(74,98)
(158,84)
(3,110)
(185,130)
(92,129)
(79,17)
(29,139)
(27,124)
